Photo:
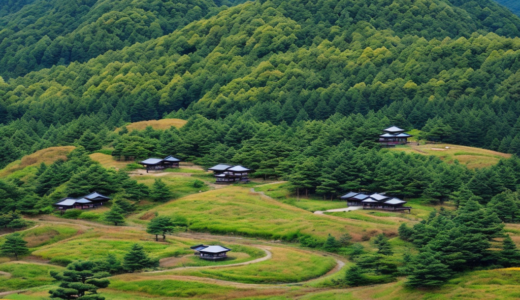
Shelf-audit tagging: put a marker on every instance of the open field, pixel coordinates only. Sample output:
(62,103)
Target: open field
(46,234)
(108,161)
(237,210)
(156,124)
(180,186)
(470,156)
(25,275)
(286,265)
(47,156)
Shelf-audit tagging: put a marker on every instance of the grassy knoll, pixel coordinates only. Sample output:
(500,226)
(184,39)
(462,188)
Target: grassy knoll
(235,209)
(492,284)
(47,234)
(180,186)
(156,124)
(108,161)
(171,288)
(286,265)
(25,275)
(281,192)
(470,156)
(20,168)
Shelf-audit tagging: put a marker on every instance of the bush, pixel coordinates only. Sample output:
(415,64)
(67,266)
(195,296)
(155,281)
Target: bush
(198,184)
(72,213)
(133,166)
(309,241)
(61,261)
(105,151)
(89,216)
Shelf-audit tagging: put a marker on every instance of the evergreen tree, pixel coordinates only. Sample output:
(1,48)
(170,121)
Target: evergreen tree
(330,245)
(14,245)
(428,270)
(383,246)
(90,141)
(509,256)
(160,225)
(79,281)
(136,259)
(160,191)
(115,215)
(354,276)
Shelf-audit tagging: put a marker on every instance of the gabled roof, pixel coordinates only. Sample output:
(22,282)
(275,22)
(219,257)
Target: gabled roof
(83,201)
(403,135)
(220,167)
(66,202)
(349,195)
(214,249)
(395,201)
(394,129)
(238,169)
(369,200)
(151,161)
(171,159)
(378,197)
(360,197)
(96,196)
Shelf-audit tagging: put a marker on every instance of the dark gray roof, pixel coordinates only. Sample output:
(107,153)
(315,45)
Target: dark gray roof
(349,195)
(360,197)
(388,135)
(238,169)
(395,201)
(83,201)
(394,129)
(96,196)
(151,161)
(378,197)
(214,249)
(198,247)
(171,159)
(369,200)
(220,167)
(66,202)
(403,135)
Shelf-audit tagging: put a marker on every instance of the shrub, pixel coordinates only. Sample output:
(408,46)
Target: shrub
(198,184)
(133,166)
(72,213)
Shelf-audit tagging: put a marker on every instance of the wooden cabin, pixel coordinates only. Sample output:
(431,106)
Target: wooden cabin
(155,164)
(215,252)
(89,201)
(375,201)
(226,174)
(354,199)
(393,136)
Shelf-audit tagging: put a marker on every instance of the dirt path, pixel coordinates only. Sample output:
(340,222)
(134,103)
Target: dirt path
(12,292)
(37,225)
(319,212)
(5,274)
(268,256)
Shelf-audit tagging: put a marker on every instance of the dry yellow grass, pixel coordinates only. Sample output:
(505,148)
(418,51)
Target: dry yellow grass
(108,161)
(470,156)
(47,156)
(156,124)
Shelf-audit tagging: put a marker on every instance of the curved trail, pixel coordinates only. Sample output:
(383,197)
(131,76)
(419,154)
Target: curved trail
(268,256)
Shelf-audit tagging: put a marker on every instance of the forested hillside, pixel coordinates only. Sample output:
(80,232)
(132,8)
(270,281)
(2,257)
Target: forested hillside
(513,5)
(39,34)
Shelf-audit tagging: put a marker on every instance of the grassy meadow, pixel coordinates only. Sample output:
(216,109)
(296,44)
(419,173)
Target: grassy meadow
(27,165)
(286,265)
(470,156)
(24,275)
(46,234)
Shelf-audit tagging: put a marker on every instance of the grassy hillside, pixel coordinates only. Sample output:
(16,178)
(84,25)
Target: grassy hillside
(47,156)
(470,156)
(155,124)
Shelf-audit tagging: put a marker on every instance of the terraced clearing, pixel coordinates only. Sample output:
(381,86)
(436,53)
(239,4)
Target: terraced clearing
(470,156)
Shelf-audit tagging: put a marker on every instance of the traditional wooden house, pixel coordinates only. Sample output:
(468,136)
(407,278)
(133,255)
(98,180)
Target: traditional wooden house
(215,252)
(393,136)
(154,164)
(226,174)
(385,203)
(354,199)
(92,200)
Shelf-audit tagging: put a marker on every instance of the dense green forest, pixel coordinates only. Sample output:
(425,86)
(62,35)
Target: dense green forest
(513,5)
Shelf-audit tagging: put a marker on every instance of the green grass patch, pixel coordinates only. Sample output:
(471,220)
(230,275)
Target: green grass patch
(286,265)
(185,170)
(25,275)
(180,186)
(355,215)
(170,288)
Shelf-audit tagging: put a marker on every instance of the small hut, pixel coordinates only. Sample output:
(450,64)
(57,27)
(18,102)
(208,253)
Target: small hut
(215,252)
(393,136)
(226,174)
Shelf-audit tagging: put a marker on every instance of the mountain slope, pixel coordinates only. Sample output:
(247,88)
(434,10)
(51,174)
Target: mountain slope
(46,33)
(513,5)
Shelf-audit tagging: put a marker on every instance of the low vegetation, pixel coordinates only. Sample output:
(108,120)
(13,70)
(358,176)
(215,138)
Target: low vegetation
(24,275)
(155,124)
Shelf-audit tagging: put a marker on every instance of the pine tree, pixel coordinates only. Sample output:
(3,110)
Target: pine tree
(115,215)
(405,232)
(160,225)
(428,270)
(14,245)
(330,245)
(509,256)
(79,282)
(354,276)
(136,259)
(160,191)
(90,141)
(383,246)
